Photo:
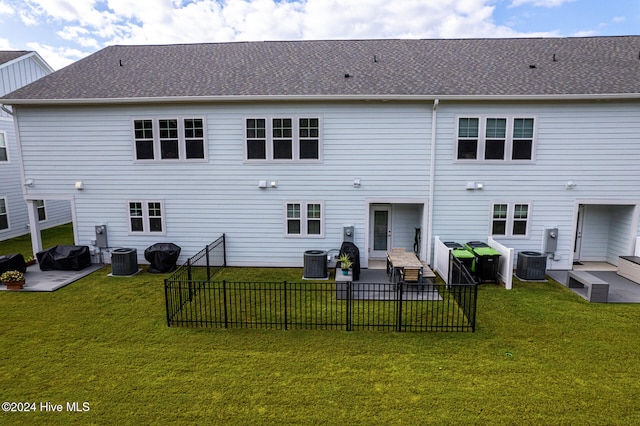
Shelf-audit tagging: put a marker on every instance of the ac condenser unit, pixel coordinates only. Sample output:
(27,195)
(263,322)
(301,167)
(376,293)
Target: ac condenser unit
(531,265)
(124,261)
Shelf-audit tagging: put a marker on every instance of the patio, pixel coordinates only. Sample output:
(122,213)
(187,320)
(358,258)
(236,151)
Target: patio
(621,290)
(37,280)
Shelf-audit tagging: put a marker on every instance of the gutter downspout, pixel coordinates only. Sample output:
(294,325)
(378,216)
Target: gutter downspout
(432,176)
(7,110)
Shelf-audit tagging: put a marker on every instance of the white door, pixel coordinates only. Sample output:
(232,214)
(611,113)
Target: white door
(577,245)
(380,231)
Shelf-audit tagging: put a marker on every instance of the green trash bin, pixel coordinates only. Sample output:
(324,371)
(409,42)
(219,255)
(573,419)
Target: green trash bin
(461,253)
(486,263)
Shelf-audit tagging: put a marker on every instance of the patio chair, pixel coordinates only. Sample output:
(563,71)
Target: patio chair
(411,276)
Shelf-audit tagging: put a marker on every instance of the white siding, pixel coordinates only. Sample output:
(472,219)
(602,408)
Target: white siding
(385,145)
(592,144)
(14,75)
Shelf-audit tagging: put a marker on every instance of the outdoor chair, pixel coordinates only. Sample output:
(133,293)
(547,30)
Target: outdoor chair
(411,276)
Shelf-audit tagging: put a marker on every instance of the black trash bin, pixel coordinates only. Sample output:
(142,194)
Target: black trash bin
(64,258)
(486,263)
(461,253)
(162,257)
(353,252)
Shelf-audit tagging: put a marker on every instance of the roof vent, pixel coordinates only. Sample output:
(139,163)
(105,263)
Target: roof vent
(347,75)
(532,66)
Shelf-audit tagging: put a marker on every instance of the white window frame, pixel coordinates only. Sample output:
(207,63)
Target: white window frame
(510,219)
(509,140)
(182,139)
(296,138)
(40,206)
(4,146)
(146,218)
(6,214)
(304,219)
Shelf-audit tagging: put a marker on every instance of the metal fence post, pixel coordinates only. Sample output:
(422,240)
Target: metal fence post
(285,306)
(224,303)
(349,318)
(208,263)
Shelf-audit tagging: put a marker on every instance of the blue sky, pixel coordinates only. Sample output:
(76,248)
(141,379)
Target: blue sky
(63,31)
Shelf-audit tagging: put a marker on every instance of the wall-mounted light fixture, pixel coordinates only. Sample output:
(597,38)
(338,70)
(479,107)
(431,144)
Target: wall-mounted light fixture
(28,182)
(474,185)
(356,183)
(570,185)
(273,184)
(79,185)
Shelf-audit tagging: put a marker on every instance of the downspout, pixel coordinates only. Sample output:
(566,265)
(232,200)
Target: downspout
(7,110)
(432,176)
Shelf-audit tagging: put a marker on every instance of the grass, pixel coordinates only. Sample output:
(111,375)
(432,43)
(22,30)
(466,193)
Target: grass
(62,234)
(540,355)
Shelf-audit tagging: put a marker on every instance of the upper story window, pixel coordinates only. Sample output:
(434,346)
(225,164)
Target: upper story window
(283,138)
(169,139)
(495,139)
(510,219)
(304,219)
(4,151)
(146,217)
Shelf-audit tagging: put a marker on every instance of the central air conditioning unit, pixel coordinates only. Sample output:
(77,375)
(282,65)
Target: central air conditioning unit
(531,265)
(124,261)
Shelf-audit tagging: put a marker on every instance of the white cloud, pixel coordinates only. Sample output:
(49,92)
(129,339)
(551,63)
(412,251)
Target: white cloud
(56,57)
(91,24)
(6,9)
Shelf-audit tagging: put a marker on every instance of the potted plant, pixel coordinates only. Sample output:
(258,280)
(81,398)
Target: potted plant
(29,261)
(345,263)
(14,280)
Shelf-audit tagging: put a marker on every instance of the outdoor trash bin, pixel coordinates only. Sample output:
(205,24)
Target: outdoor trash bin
(486,263)
(64,258)
(162,257)
(461,253)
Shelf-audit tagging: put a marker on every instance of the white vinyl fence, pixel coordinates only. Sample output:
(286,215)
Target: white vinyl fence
(505,271)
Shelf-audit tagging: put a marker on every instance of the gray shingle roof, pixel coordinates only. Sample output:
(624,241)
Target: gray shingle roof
(376,68)
(10,55)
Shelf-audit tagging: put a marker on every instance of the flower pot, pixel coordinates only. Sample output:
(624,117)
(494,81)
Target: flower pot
(14,285)
(345,272)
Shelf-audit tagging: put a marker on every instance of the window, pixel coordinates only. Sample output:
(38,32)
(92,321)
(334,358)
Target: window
(282,138)
(510,219)
(304,219)
(146,217)
(495,139)
(42,213)
(4,154)
(169,139)
(4,216)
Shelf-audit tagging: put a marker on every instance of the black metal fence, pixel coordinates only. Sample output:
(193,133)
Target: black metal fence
(321,305)
(194,300)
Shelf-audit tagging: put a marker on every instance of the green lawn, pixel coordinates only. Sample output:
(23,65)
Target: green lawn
(62,234)
(540,355)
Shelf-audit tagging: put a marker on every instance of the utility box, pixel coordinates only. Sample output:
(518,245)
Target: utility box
(101,236)
(347,233)
(550,240)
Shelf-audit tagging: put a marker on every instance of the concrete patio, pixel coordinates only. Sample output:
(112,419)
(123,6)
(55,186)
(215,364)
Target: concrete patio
(621,290)
(37,280)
